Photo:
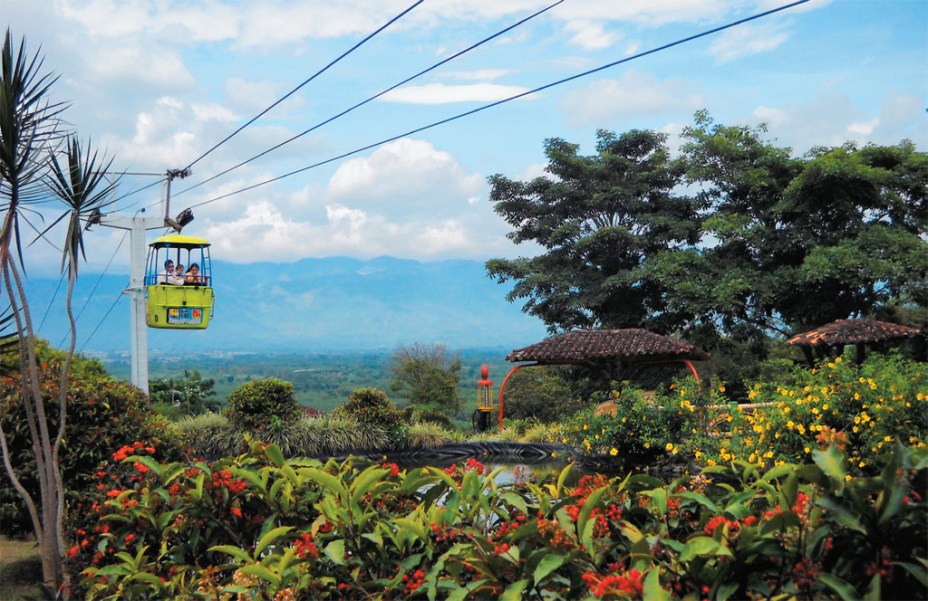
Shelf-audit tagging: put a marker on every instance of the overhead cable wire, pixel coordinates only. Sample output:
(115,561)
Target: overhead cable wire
(508,99)
(50,303)
(107,314)
(97,283)
(314,76)
(142,189)
(376,96)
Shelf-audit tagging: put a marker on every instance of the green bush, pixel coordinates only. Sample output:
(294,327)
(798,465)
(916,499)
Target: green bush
(103,414)
(646,425)
(263,405)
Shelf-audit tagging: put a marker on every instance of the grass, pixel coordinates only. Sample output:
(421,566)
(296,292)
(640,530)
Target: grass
(20,570)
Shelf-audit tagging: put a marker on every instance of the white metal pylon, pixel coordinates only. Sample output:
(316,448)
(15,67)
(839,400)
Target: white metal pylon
(137,226)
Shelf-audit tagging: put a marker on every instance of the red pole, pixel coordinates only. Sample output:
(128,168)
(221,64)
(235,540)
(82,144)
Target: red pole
(502,387)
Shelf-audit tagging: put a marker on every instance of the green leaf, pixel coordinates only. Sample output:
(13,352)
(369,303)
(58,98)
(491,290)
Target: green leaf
(842,515)
(702,546)
(274,454)
(335,551)
(840,586)
(653,591)
(366,480)
(269,538)
(146,577)
(832,463)
(548,564)
(236,552)
(256,569)
(701,499)
(562,479)
(659,496)
(326,480)
(725,591)
(630,531)
(413,526)
(513,592)
(919,572)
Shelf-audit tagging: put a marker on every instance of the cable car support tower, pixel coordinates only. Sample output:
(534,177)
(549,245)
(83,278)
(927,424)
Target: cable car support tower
(137,225)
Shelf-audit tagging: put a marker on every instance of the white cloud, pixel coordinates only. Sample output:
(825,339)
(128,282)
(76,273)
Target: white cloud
(590,35)
(745,40)
(478,74)
(634,94)
(862,129)
(437,93)
(405,177)
(831,120)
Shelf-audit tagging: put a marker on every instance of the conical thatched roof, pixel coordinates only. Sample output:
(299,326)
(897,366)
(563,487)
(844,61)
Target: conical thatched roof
(853,331)
(589,346)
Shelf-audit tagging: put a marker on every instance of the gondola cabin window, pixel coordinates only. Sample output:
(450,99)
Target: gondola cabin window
(179,283)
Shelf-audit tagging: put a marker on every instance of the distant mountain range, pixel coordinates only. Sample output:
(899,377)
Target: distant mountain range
(315,305)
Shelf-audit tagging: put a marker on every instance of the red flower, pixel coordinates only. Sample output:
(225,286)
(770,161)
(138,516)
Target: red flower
(305,547)
(73,551)
(237,512)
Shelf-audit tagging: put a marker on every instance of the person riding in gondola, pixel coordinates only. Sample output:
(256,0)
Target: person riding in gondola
(193,277)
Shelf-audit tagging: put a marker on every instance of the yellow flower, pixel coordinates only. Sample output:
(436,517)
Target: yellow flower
(613,451)
(669,446)
(807,450)
(721,388)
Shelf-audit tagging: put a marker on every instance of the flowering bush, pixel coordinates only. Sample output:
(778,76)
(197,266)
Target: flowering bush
(861,411)
(262,527)
(644,426)
(103,414)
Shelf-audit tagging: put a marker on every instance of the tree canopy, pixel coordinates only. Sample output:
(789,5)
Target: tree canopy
(426,376)
(734,239)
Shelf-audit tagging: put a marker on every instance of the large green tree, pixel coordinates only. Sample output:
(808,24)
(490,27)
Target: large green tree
(793,243)
(189,394)
(426,376)
(598,220)
(759,244)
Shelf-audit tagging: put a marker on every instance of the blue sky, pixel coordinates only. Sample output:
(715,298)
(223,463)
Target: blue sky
(157,83)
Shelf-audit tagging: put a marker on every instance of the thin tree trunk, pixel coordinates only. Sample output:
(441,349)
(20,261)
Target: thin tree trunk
(49,477)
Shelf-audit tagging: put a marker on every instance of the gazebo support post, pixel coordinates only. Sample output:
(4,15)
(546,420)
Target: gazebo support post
(502,388)
(861,353)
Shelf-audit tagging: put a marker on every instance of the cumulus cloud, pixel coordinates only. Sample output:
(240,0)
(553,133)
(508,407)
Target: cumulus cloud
(591,35)
(404,199)
(833,119)
(746,40)
(408,176)
(633,94)
(438,93)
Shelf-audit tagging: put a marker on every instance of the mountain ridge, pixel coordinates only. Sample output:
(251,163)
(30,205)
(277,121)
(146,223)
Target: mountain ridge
(313,304)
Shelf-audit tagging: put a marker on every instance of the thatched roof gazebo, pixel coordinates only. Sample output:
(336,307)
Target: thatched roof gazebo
(586,347)
(634,346)
(859,332)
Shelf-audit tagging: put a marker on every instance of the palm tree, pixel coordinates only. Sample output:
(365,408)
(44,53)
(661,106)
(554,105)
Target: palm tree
(30,138)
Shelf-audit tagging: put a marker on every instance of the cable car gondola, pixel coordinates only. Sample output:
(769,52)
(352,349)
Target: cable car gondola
(175,303)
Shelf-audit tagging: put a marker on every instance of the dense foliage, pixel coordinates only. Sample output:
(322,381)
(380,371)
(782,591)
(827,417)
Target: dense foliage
(426,376)
(262,405)
(262,527)
(862,410)
(104,414)
(189,394)
(728,245)
(542,393)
